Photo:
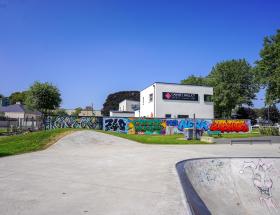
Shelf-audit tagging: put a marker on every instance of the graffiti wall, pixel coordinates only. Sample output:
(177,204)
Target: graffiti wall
(52,122)
(233,125)
(172,126)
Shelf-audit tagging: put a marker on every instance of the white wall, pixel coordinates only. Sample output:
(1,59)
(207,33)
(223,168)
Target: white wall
(121,114)
(177,107)
(14,115)
(147,109)
(127,105)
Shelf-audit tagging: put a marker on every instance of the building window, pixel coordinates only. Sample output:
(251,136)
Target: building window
(143,101)
(150,97)
(168,115)
(135,107)
(183,116)
(208,98)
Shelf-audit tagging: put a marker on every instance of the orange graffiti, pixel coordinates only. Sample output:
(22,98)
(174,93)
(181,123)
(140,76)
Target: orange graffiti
(229,126)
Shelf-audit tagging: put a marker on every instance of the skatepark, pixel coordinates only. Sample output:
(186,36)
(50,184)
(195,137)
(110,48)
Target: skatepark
(89,172)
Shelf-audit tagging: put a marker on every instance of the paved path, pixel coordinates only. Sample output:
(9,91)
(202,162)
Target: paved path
(93,173)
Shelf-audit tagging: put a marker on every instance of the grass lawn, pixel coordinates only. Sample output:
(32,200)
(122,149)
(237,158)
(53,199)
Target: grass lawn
(3,130)
(156,139)
(30,142)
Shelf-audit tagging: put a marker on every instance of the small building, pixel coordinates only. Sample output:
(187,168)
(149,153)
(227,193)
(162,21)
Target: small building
(90,113)
(168,100)
(19,111)
(116,113)
(129,105)
(24,117)
(84,112)
(127,108)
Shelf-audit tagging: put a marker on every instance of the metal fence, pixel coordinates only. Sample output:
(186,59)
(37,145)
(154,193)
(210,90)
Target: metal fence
(20,124)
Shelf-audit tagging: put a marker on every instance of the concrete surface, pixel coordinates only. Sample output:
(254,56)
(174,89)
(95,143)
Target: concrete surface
(232,185)
(93,173)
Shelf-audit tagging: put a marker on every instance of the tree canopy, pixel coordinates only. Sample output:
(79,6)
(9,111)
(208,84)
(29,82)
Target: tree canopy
(234,84)
(18,97)
(196,80)
(43,97)
(268,68)
(113,100)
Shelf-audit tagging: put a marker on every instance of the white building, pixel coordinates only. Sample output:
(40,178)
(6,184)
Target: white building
(166,100)
(127,108)
(116,113)
(129,105)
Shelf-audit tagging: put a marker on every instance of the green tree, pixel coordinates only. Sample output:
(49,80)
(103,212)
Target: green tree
(113,100)
(268,68)
(196,80)
(270,113)
(234,84)
(247,113)
(43,97)
(18,97)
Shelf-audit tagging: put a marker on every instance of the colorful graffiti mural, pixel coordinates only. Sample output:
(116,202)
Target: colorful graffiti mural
(52,122)
(153,126)
(172,126)
(115,124)
(232,125)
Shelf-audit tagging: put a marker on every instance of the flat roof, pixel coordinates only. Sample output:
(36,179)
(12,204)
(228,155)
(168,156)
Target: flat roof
(158,82)
(129,100)
(118,111)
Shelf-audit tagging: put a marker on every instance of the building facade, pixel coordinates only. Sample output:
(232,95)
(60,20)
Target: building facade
(166,100)
(129,105)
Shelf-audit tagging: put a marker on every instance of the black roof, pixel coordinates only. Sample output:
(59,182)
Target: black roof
(18,108)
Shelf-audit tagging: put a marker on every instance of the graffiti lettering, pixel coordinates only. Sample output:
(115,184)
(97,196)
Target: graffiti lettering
(230,125)
(115,124)
(52,122)
(172,126)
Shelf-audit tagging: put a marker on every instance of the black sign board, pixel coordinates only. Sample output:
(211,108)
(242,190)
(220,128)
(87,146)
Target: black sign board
(179,96)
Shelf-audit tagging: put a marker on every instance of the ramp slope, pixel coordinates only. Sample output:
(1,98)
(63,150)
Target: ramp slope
(232,185)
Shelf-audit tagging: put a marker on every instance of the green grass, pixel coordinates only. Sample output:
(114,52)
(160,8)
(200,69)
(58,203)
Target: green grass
(156,139)
(3,130)
(30,142)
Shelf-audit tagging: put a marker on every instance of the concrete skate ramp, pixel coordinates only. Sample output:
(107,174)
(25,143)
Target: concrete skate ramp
(231,185)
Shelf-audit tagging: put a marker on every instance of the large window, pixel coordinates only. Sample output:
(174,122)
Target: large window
(150,97)
(168,115)
(183,116)
(208,98)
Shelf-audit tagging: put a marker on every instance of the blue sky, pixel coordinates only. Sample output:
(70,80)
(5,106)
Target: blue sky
(90,48)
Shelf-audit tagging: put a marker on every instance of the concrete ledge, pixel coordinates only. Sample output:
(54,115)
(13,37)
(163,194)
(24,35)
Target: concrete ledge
(208,139)
(249,140)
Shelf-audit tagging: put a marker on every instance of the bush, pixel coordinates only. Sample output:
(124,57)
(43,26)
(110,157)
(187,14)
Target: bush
(269,131)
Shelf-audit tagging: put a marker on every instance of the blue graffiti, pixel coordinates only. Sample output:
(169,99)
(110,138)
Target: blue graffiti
(189,123)
(116,124)
(172,122)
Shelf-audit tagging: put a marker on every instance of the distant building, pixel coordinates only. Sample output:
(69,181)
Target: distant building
(5,101)
(19,111)
(167,100)
(90,113)
(84,112)
(129,105)
(127,108)
(117,113)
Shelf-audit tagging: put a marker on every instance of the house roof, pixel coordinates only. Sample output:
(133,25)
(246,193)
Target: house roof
(18,108)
